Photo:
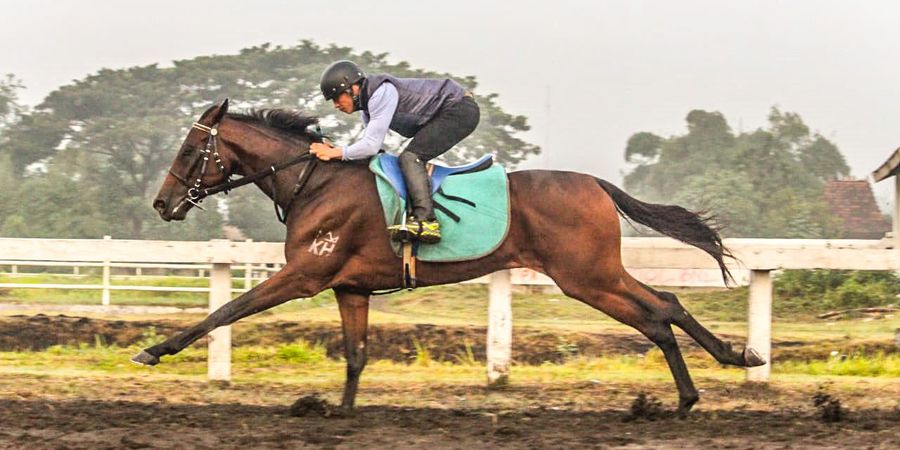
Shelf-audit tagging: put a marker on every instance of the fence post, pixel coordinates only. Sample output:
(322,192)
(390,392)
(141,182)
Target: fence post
(759,322)
(248,272)
(104,299)
(499,333)
(248,276)
(219,352)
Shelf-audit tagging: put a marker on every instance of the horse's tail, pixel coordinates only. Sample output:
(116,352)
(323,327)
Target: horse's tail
(699,230)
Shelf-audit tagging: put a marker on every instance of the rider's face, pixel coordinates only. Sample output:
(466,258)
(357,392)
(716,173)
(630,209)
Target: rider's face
(344,101)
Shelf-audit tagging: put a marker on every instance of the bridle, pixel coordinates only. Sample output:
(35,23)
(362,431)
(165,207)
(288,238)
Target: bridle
(196,193)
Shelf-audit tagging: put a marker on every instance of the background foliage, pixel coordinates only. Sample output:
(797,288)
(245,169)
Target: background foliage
(837,289)
(88,160)
(767,182)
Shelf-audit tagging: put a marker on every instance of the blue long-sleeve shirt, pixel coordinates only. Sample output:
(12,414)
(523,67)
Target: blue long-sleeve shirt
(382,105)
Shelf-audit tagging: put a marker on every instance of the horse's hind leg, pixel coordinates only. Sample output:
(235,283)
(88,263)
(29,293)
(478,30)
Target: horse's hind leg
(719,349)
(641,310)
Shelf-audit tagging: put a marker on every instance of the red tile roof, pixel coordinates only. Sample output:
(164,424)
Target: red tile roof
(854,203)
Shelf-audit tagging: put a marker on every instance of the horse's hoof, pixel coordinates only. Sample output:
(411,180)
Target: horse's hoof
(343,412)
(145,359)
(752,358)
(685,405)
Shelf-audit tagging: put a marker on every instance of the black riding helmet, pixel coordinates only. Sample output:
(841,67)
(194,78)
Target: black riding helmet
(338,78)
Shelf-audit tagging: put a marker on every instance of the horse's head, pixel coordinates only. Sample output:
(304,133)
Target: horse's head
(203,160)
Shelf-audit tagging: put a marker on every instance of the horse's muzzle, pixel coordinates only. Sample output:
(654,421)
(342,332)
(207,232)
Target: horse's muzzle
(161,206)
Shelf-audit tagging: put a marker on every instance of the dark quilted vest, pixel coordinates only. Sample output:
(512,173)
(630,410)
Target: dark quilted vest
(419,99)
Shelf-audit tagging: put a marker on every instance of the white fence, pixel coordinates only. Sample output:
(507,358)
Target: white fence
(251,274)
(759,258)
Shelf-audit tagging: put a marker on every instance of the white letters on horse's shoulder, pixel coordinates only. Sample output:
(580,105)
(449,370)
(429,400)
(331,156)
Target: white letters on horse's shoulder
(323,245)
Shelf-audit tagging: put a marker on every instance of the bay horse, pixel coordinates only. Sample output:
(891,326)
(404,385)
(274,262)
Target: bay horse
(563,224)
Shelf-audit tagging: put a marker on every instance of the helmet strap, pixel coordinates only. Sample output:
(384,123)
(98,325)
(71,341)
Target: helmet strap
(356,102)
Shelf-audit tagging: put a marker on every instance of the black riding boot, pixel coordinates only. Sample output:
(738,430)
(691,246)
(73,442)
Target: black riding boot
(418,187)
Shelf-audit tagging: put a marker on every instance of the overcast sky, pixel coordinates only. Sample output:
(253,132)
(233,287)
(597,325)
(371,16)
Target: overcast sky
(587,74)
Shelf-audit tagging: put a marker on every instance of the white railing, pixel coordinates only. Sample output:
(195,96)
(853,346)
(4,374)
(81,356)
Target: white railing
(758,257)
(251,273)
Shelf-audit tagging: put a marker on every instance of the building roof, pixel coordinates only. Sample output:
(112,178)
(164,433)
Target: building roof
(888,168)
(854,203)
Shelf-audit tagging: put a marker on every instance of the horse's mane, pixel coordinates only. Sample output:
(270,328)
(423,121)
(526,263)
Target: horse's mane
(288,121)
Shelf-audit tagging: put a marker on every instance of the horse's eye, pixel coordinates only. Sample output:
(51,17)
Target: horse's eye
(187,152)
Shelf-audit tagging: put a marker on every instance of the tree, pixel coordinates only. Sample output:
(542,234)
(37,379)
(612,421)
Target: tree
(764,183)
(9,100)
(115,132)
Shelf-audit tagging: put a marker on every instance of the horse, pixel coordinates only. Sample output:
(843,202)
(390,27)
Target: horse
(562,224)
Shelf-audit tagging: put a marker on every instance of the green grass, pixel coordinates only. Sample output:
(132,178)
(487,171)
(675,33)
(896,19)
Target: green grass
(302,359)
(300,352)
(722,311)
(878,365)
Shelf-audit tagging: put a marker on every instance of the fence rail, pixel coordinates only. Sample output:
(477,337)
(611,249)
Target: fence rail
(107,277)
(756,257)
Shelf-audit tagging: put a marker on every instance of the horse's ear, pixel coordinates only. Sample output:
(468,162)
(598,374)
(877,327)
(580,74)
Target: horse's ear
(221,110)
(215,113)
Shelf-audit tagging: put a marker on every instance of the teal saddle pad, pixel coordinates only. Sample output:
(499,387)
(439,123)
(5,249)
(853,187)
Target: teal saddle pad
(481,228)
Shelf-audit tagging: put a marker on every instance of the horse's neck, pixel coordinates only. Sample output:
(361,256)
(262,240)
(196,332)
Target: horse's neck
(281,183)
(325,176)
(259,151)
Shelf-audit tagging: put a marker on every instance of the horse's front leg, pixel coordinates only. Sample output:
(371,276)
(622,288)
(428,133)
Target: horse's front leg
(281,287)
(354,322)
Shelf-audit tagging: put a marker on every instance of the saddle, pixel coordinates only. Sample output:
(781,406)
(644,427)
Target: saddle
(390,166)
(471,203)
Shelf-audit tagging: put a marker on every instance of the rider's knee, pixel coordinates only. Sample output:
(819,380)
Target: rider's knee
(408,157)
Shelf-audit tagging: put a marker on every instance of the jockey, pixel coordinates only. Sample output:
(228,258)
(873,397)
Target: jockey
(436,114)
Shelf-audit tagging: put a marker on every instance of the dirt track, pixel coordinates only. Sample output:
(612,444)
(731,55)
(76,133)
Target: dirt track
(130,413)
(63,410)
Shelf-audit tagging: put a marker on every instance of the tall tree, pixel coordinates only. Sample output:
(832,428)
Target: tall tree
(764,183)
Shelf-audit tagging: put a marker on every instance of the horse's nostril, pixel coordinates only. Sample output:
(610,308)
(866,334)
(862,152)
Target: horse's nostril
(159,205)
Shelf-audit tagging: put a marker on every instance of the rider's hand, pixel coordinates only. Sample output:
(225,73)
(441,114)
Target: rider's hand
(326,152)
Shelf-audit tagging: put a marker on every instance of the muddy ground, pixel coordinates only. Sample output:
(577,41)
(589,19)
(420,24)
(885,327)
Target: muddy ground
(72,411)
(38,412)
(386,341)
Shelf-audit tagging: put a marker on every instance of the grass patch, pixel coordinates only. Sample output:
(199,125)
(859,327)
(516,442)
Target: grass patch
(301,353)
(798,295)
(274,361)
(878,365)
(722,311)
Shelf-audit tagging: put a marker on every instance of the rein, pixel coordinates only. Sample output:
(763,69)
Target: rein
(196,193)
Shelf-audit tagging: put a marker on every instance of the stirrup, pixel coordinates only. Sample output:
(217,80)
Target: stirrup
(426,232)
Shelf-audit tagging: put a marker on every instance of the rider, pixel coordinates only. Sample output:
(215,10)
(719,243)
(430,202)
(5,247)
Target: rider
(436,113)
